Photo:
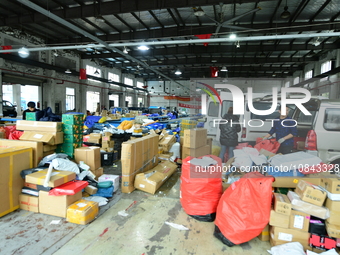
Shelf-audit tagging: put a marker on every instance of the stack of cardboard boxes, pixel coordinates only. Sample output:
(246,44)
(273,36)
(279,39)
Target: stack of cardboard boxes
(165,143)
(73,133)
(195,143)
(48,132)
(187,124)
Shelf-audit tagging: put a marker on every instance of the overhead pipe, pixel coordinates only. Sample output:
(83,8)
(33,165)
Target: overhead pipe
(94,38)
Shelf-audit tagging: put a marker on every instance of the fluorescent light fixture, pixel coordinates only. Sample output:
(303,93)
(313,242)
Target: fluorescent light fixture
(23,52)
(68,71)
(100,18)
(143,47)
(232,36)
(178,72)
(224,69)
(125,50)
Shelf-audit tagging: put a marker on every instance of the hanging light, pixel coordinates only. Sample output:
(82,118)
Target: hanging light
(100,18)
(143,47)
(23,52)
(68,71)
(178,72)
(238,44)
(199,12)
(152,87)
(285,14)
(224,69)
(232,36)
(125,51)
(178,87)
(96,72)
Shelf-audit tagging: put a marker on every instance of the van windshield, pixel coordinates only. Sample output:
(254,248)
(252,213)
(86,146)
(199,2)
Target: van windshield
(213,109)
(225,106)
(332,119)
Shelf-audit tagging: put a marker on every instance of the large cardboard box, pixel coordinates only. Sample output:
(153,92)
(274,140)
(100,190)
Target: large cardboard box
(167,142)
(264,236)
(334,218)
(292,182)
(51,138)
(299,221)
(138,155)
(12,161)
(29,203)
(286,235)
(95,138)
(90,156)
(304,243)
(48,147)
(308,193)
(198,152)
(151,180)
(331,184)
(37,148)
(282,204)
(47,126)
(98,172)
(278,219)
(195,138)
(333,205)
(57,177)
(56,205)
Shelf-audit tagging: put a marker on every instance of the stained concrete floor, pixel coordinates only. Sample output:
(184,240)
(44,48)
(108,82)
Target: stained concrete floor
(142,232)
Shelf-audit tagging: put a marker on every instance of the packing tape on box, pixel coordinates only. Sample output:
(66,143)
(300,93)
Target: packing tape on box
(42,178)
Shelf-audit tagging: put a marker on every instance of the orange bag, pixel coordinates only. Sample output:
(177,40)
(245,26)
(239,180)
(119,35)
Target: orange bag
(199,196)
(270,145)
(244,209)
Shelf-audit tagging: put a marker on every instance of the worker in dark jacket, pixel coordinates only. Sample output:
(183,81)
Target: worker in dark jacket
(229,130)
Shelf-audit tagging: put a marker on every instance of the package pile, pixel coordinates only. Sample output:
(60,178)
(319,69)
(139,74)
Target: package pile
(73,133)
(187,124)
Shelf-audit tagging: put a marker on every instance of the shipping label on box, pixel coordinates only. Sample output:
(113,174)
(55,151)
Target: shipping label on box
(310,193)
(299,220)
(282,204)
(331,184)
(195,138)
(278,219)
(47,126)
(29,203)
(57,177)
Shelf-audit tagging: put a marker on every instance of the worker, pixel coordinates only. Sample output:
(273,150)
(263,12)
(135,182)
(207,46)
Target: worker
(31,108)
(285,130)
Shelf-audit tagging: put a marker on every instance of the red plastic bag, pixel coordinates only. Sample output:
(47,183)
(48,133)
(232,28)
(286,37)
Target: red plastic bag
(244,208)
(69,188)
(200,194)
(270,145)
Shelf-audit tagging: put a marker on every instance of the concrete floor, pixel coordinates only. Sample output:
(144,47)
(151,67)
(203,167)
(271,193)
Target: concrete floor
(143,231)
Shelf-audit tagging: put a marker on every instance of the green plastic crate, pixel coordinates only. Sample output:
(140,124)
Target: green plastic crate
(69,129)
(73,138)
(73,119)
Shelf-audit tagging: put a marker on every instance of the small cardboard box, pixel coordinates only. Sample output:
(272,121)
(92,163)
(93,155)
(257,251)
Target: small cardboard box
(331,184)
(57,177)
(195,138)
(264,236)
(309,193)
(151,180)
(333,205)
(198,152)
(333,230)
(73,119)
(110,177)
(90,155)
(279,220)
(286,235)
(167,142)
(29,203)
(282,204)
(299,220)
(164,156)
(56,205)
(46,126)
(82,212)
(91,189)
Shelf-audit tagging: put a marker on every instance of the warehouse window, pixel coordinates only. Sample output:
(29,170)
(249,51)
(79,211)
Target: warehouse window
(128,81)
(70,99)
(140,102)
(296,80)
(113,77)
(309,74)
(92,100)
(325,67)
(114,100)
(140,84)
(128,101)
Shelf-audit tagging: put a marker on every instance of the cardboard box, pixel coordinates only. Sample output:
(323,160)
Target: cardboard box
(286,235)
(82,212)
(110,177)
(278,219)
(304,243)
(333,205)
(166,156)
(90,155)
(29,203)
(12,161)
(198,152)
(37,148)
(46,126)
(331,184)
(209,142)
(57,177)
(309,193)
(151,180)
(98,172)
(264,236)
(91,189)
(333,230)
(48,147)
(46,153)
(137,156)
(334,218)
(299,220)
(282,204)
(2,135)
(167,142)
(291,182)
(195,138)
(45,137)
(56,205)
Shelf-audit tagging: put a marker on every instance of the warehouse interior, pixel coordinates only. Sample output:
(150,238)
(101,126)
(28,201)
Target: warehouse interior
(117,59)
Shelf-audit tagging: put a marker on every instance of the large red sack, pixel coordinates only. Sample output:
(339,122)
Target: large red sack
(244,209)
(200,193)
(270,145)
